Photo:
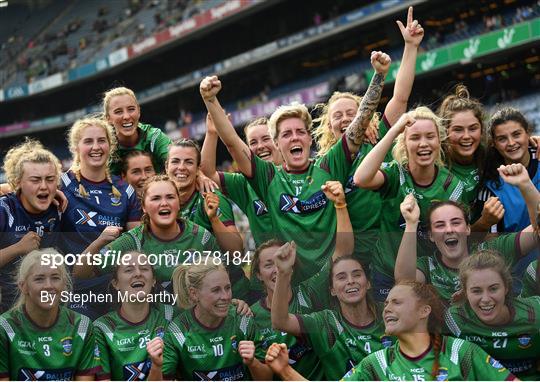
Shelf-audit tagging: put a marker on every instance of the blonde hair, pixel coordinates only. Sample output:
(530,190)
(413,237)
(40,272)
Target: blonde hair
(25,269)
(29,151)
(323,133)
(484,259)
(255,122)
(399,152)
(191,276)
(119,91)
(283,112)
(74,137)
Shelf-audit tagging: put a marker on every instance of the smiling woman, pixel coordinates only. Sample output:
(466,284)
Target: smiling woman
(115,331)
(413,313)
(210,329)
(509,134)
(122,111)
(505,327)
(42,339)
(28,218)
(96,199)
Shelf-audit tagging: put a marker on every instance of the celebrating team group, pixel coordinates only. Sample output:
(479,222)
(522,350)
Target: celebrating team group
(405,249)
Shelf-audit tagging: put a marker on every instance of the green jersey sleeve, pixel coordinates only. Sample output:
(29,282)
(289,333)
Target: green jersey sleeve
(315,329)
(391,173)
(90,358)
(506,244)
(104,356)
(172,343)
(261,176)
(477,365)
(234,186)
(4,356)
(366,370)
(530,281)
(338,161)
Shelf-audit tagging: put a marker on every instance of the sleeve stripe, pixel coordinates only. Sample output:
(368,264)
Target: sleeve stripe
(244,324)
(105,329)
(454,354)
(169,312)
(531,271)
(155,136)
(451,323)
(336,321)
(401,175)
(456,194)
(7,327)
(301,299)
(130,190)
(11,219)
(379,354)
(82,330)
(177,333)
(65,179)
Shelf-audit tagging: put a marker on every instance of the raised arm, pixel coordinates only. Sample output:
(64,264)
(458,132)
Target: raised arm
(208,151)
(84,269)
(368,175)
(228,237)
(281,318)
(240,152)
(412,34)
(405,268)
(277,356)
(516,174)
(355,132)
(344,230)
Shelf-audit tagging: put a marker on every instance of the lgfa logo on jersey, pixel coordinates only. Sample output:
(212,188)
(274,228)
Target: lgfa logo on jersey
(524,341)
(442,375)
(67,344)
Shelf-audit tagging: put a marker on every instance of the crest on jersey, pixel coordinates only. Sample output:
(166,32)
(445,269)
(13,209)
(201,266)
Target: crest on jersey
(442,374)
(524,341)
(67,344)
(493,362)
(51,222)
(234,343)
(386,341)
(115,201)
(160,331)
(97,354)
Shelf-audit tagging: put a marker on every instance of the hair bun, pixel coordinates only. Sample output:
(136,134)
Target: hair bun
(462,91)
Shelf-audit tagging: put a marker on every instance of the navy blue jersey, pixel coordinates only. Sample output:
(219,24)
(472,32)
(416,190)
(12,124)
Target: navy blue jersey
(15,222)
(86,217)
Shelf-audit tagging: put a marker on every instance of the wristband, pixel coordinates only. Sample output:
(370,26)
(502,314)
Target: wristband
(340,205)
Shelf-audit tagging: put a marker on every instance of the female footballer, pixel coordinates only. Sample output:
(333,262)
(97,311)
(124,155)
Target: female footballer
(488,315)
(129,338)
(417,168)
(340,337)
(309,296)
(340,111)
(292,192)
(208,341)
(449,230)
(41,339)
(28,218)
(121,109)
